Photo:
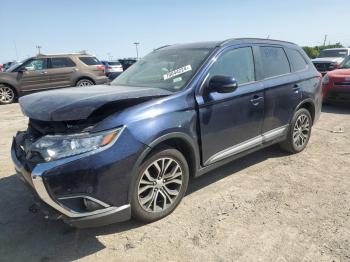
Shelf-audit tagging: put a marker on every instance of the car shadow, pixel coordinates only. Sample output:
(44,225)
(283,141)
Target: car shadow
(27,236)
(336,109)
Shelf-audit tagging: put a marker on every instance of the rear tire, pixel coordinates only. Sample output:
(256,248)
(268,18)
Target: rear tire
(7,94)
(299,132)
(160,185)
(84,82)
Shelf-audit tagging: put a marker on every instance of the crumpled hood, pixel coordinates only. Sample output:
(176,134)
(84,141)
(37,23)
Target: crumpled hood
(80,102)
(328,59)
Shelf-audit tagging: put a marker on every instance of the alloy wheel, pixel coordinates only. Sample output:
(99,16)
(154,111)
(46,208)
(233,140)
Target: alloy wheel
(301,131)
(85,83)
(6,94)
(160,185)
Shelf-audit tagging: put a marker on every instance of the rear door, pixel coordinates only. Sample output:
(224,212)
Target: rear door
(281,88)
(32,75)
(230,123)
(60,71)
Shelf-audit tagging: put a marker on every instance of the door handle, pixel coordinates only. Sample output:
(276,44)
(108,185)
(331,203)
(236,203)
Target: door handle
(43,73)
(296,88)
(256,100)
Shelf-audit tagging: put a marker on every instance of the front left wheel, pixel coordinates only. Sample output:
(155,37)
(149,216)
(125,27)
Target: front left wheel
(7,95)
(160,185)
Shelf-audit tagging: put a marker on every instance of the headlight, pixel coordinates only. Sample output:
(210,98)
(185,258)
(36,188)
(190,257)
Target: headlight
(53,147)
(325,79)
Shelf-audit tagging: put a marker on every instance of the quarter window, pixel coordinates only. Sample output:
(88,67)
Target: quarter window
(60,62)
(274,61)
(237,63)
(90,60)
(297,61)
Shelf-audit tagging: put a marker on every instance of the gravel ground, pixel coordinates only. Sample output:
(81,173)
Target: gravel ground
(268,206)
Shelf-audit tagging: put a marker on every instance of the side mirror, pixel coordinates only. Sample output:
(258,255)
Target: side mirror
(22,70)
(222,84)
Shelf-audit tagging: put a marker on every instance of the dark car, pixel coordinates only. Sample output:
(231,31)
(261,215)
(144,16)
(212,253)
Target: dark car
(108,153)
(127,62)
(45,72)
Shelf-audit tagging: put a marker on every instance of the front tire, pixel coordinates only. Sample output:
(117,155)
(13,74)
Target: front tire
(160,185)
(7,95)
(299,132)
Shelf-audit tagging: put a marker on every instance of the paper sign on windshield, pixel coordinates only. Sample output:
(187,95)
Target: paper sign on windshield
(177,72)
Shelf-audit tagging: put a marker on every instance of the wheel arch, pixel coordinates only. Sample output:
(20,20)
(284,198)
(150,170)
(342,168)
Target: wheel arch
(177,140)
(17,93)
(84,77)
(309,105)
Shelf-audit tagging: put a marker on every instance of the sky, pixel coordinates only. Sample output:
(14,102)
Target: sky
(108,28)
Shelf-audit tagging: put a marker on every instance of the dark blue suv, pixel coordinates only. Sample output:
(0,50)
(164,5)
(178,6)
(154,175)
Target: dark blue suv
(103,154)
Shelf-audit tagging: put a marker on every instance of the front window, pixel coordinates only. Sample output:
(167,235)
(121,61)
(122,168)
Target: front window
(334,53)
(346,63)
(169,69)
(35,64)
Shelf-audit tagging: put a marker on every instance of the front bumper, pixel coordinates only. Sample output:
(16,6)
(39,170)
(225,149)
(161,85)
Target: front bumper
(36,179)
(336,94)
(101,80)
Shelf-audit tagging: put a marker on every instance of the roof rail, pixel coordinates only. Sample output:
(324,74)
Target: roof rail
(78,53)
(227,41)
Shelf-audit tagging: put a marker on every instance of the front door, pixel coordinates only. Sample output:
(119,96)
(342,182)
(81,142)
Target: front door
(231,123)
(32,75)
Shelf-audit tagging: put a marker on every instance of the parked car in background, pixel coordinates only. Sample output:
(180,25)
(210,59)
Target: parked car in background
(7,65)
(112,69)
(336,84)
(45,72)
(330,59)
(127,150)
(127,62)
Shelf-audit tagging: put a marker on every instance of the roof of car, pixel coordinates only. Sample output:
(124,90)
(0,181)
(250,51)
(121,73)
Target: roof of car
(66,54)
(233,41)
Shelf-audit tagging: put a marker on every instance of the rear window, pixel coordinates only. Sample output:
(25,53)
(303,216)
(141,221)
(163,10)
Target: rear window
(60,62)
(89,60)
(274,61)
(114,63)
(297,61)
(334,53)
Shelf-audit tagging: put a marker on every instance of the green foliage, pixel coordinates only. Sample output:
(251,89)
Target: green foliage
(314,52)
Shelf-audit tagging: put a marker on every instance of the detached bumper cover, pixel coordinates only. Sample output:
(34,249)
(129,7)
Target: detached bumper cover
(106,215)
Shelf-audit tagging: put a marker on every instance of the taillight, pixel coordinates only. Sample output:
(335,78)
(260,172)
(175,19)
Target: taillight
(109,67)
(100,67)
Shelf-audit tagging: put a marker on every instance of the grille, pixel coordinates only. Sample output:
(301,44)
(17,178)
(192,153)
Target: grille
(322,67)
(342,83)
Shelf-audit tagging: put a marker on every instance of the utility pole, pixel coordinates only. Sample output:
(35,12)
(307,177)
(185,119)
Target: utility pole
(325,39)
(39,48)
(14,43)
(137,50)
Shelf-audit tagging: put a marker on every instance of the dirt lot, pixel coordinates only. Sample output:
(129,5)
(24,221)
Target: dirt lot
(268,206)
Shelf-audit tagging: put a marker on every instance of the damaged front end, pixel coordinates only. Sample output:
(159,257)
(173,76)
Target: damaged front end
(81,174)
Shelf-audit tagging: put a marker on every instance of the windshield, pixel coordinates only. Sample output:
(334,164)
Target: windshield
(334,53)
(13,66)
(346,63)
(169,69)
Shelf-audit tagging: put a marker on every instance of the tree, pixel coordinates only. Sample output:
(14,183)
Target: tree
(314,52)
